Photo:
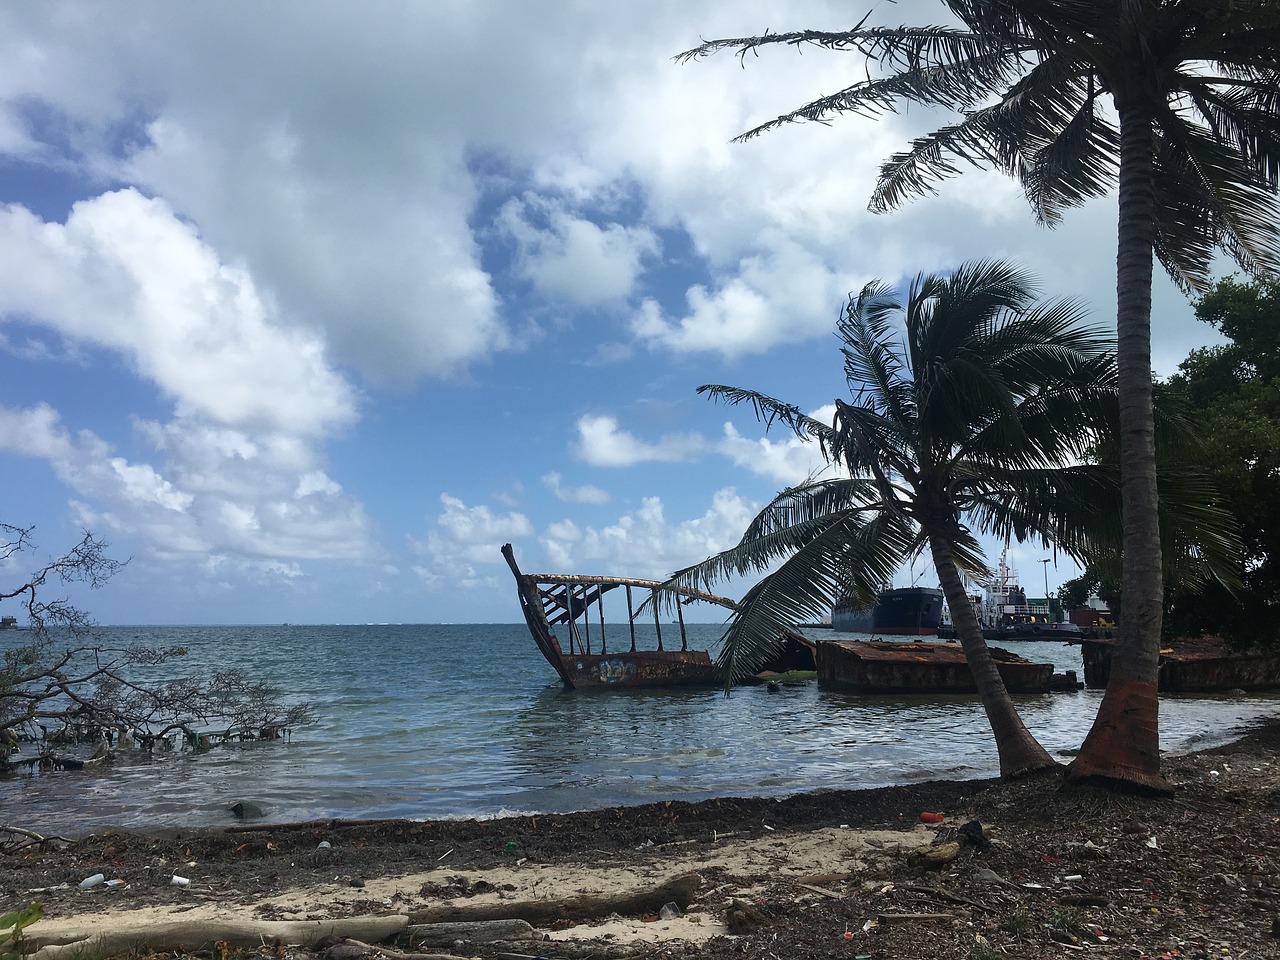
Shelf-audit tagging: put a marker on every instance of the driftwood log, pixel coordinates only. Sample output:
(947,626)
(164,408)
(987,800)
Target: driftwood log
(196,934)
(475,931)
(680,891)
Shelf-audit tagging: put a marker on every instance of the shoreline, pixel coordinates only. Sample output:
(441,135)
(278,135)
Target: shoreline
(858,847)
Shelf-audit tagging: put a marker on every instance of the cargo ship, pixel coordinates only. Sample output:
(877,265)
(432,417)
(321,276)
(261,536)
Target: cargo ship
(898,611)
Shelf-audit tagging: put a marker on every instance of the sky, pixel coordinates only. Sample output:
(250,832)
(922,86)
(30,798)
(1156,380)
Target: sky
(308,307)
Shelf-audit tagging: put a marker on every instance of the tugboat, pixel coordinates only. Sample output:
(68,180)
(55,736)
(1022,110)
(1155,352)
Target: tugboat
(1004,613)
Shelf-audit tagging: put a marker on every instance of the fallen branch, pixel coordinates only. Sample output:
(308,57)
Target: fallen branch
(946,897)
(822,890)
(33,839)
(680,890)
(198,934)
(911,917)
(398,955)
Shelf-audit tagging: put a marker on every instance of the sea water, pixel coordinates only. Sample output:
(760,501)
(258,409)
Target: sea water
(465,720)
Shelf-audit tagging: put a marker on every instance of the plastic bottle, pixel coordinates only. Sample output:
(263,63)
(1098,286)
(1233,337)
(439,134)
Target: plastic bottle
(95,881)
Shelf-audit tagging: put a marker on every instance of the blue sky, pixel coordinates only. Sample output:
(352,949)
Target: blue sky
(309,307)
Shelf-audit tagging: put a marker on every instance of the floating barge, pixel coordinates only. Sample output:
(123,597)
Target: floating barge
(1193,665)
(920,667)
(569,600)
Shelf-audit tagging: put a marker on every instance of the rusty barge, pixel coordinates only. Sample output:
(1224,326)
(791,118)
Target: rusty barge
(922,667)
(570,601)
(1193,665)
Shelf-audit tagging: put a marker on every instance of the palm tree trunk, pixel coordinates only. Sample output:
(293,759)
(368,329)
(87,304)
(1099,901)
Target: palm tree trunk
(1020,753)
(1123,746)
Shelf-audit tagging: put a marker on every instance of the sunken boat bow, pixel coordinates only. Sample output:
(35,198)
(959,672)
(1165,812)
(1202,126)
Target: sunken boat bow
(569,601)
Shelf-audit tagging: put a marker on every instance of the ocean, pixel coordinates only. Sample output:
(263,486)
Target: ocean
(468,720)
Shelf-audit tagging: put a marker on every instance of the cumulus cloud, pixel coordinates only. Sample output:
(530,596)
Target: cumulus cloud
(237,471)
(571,258)
(601,444)
(786,461)
(464,542)
(644,543)
(583,494)
(125,273)
(785,294)
(217,496)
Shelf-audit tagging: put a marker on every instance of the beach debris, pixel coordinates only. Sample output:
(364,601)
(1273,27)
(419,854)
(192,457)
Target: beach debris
(743,916)
(975,834)
(480,931)
(937,855)
(669,911)
(28,838)
(178,881)
(97,880)
(633,903)
(916,917)
(987,875)
(185,935)
(323,852)
(823,891)
(928,817)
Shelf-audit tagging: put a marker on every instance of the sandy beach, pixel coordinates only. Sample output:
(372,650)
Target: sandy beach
(840,873)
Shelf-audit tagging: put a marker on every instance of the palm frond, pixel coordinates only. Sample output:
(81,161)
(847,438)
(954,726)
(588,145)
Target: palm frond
(769,411)
(795,517)
(802,588)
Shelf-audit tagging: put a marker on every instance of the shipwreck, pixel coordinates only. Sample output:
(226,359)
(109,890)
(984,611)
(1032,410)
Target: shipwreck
(1193,665)
(586,660)
(921,667)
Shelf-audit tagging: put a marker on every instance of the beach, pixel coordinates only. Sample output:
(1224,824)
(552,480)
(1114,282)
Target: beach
(856,873)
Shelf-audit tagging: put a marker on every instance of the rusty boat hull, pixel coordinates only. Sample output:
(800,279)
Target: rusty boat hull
(926,668)
(1193,665)
(593,661)
(641,668)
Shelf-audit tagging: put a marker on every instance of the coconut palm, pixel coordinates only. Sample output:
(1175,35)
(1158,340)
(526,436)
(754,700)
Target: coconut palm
(975,423)
(1175,101)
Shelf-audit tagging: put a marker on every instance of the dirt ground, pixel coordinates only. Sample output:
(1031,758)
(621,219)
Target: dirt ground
(856,874)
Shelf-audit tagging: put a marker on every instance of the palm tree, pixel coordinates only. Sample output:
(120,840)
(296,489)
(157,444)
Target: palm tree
(975,424)
(1192,138)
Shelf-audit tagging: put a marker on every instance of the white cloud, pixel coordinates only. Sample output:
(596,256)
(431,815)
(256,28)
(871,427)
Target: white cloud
(784,294)
(236,472)
(601,444)
(463,541)
(126,274)
(583,494)
(217,495)
(573,259)
(644,543)
(786,461)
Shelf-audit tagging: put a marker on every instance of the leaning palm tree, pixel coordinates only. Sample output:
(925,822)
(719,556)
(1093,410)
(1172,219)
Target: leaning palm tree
(974,424)
(1177,102)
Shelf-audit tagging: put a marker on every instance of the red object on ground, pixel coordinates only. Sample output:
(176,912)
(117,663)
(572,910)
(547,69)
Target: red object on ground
(927,817)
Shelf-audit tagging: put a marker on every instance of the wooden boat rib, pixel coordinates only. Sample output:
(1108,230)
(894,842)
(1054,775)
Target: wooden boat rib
(567,600)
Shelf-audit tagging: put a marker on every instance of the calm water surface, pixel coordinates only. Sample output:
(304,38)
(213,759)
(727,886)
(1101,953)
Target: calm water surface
(468,720)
